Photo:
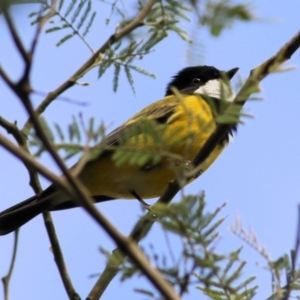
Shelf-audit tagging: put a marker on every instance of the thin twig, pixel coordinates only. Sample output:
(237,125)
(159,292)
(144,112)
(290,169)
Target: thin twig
(6,78)
(64,99)
(13,129)
(29,159)
(59,258)
(75,31)
(41,23)
(15,36)
(6,279)
(143,226)
(94,59)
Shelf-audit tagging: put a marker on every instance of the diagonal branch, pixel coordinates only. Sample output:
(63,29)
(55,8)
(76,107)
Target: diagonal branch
(93,60)
(29,159)
(143,226)
(59,257)
(16,36)
(6,278)
(13,129)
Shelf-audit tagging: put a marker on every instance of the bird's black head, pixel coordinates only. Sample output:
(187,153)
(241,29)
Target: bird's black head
(201,80)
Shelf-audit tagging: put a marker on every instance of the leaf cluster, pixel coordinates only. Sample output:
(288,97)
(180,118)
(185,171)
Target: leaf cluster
(216,275)
(77,16)
(161,21)
(285,278)
(72,140)
(218,15)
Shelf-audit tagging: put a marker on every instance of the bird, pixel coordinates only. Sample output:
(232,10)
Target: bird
(141,157)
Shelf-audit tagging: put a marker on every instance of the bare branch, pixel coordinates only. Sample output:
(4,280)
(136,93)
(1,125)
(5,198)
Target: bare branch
(29,159)
(40,25)
(6,279)
(6,78)
(59,258)
(15,36)
(13,129)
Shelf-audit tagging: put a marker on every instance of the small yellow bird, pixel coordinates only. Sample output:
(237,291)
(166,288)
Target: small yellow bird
(141,157)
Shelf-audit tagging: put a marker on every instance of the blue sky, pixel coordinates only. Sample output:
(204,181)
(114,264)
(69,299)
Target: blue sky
(257,175)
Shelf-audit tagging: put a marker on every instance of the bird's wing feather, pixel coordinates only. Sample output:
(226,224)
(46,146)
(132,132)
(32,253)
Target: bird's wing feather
(155,111)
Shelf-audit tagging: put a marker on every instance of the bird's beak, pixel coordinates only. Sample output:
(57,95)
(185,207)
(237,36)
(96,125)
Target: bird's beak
(231,72)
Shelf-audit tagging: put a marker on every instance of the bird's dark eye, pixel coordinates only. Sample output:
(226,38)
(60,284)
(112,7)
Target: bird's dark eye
(196,81)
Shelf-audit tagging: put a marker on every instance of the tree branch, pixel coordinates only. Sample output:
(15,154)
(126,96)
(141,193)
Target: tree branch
(6,278)
(143,226)
(29,159)
(42,21)
(15,36)
(59,257)
(13,129)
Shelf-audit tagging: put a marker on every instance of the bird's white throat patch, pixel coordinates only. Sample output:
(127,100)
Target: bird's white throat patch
(217,88)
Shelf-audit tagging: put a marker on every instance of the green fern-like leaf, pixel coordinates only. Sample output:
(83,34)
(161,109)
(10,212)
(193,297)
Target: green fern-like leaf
(59,132)
(142,71)
(64,39)
(53,29)
(89,24)
(60,5)
(70,8)
(85,15)
(116,76)
(77,10)
(130,78)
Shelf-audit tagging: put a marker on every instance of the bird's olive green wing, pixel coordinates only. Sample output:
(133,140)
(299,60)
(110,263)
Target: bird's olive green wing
(159,112)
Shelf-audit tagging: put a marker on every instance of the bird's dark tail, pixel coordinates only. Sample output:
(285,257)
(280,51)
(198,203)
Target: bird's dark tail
(21,213)
(49,200)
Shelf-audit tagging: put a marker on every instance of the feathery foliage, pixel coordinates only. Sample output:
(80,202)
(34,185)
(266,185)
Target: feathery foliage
(77,16)
(76,138)
(198,264)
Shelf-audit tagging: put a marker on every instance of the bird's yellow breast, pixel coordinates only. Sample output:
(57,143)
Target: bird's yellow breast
(177,141)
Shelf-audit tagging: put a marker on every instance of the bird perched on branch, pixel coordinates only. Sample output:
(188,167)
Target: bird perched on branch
(141,157)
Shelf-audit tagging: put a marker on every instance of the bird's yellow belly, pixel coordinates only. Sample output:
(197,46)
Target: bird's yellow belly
(119,182)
